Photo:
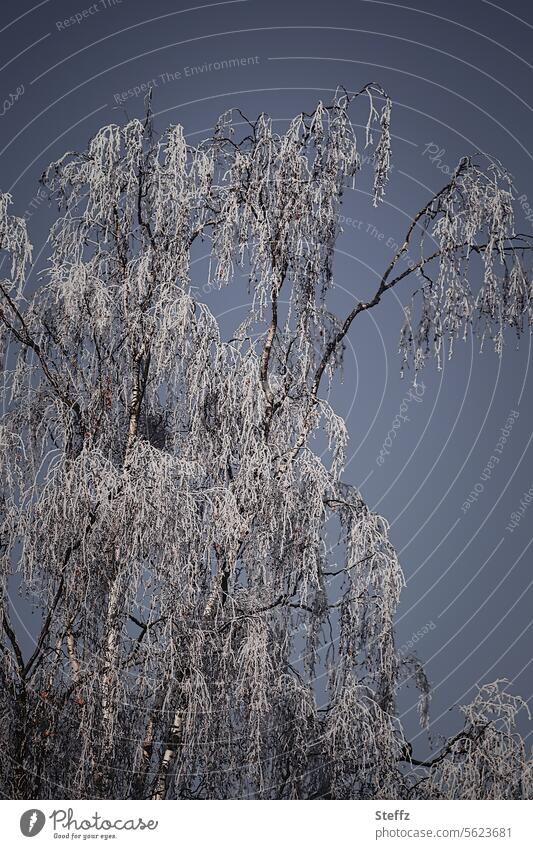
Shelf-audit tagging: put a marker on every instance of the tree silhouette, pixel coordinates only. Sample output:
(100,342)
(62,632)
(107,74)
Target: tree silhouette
(163,506)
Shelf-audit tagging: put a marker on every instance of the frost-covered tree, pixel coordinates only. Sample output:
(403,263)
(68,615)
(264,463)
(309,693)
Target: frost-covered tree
(164,510)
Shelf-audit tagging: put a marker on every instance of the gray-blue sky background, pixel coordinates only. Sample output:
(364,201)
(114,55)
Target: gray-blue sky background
(461,79)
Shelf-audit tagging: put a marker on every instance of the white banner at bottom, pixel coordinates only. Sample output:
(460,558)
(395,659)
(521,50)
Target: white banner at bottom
(236,824)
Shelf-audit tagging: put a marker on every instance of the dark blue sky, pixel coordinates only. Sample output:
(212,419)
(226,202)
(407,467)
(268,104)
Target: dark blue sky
(460,76)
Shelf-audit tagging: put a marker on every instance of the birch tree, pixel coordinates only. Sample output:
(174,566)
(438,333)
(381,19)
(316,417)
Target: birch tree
(215,602)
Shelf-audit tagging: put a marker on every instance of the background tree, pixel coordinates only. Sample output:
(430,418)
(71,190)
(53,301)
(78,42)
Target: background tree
(164,508)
